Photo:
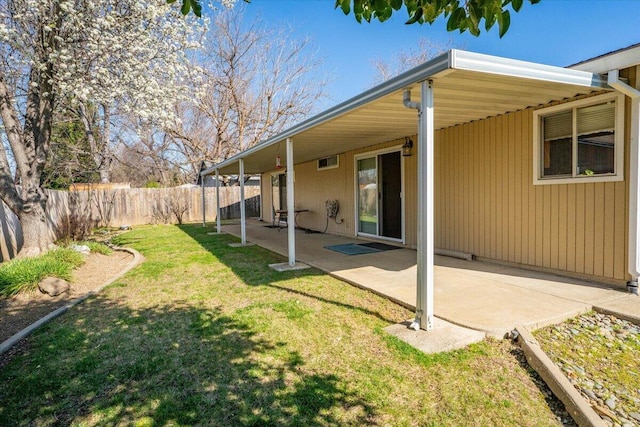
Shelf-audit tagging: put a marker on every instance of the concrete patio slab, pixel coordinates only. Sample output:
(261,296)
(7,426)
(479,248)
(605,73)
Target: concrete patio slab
(483,296)
(241,245)
(285,266)
(626,307)
(443,337)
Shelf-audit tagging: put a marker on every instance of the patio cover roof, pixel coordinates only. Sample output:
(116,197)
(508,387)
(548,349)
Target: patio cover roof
(467,86)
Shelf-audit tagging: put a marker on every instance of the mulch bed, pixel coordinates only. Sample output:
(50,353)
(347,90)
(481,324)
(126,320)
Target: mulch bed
(22,310)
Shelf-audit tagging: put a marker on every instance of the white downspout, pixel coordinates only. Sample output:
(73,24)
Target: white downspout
(424,293)
(218,210)
(634,177)
(243,218)
(291,225)
(406,100)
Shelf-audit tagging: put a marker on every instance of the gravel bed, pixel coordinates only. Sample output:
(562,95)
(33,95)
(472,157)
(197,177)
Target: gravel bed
(600,355)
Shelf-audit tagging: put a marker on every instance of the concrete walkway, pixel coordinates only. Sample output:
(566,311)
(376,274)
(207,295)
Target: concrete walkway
(482,296)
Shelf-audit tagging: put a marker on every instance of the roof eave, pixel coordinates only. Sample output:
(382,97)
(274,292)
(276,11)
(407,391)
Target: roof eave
(411,77)
(616,60)
(452,60)
(477,62)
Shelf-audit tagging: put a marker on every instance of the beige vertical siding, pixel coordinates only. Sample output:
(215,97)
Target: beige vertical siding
(487,204)
(313,187)
(265,197)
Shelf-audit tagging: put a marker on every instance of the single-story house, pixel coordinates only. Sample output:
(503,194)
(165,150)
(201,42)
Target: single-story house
(510,161)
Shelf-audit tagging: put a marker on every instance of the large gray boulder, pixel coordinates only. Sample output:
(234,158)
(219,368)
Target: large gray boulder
(53,286)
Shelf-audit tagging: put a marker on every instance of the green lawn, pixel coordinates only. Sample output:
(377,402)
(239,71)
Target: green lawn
(205,334)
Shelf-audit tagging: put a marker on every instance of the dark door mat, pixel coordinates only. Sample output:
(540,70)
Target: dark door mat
(379,246)
(273,226)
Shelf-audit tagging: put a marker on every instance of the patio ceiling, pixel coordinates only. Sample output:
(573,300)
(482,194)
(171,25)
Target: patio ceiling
(467,87)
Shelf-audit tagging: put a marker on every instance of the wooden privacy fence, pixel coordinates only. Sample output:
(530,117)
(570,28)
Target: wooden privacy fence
(76,212)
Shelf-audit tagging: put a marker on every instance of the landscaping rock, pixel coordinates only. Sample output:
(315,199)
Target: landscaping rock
(615,403)
(83,249)
(53,286)
(590,394)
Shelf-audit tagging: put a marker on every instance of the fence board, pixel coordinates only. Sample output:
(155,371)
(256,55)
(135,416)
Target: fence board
(67,211)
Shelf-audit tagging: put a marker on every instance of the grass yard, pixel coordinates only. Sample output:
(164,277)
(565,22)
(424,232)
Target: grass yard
(205,334)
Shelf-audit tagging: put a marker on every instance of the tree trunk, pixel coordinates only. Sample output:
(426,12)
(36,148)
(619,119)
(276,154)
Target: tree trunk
(105,171)
(33,221)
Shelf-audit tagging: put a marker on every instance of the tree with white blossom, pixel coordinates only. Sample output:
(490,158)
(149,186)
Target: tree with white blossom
(94,55)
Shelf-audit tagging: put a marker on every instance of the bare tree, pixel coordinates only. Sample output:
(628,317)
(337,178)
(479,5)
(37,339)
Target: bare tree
(386,68)
(257,81)
(99,137)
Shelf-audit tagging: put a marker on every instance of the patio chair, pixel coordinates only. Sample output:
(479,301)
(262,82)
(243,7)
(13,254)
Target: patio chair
(278,216)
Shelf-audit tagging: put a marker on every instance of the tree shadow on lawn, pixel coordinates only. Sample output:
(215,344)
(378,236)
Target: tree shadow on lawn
(104,363)
(251,264)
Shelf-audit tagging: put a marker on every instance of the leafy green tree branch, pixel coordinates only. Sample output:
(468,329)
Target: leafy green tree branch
(462,15)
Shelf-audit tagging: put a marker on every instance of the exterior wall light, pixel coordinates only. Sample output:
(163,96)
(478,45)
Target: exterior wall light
(407,147)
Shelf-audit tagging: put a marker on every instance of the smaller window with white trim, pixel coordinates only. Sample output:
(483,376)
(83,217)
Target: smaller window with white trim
(328,162)
(580,140)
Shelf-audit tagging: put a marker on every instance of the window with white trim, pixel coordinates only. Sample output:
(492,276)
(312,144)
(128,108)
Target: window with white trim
(328,162)
(579,141)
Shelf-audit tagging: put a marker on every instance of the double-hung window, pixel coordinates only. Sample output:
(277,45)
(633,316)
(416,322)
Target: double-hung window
(579,141)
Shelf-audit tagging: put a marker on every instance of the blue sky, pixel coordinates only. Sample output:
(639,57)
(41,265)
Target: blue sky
(555,32)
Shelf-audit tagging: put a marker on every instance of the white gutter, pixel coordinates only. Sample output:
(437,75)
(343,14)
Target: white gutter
(634,177)
(461,60)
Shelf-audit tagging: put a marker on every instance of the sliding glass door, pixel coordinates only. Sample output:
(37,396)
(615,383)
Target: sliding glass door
(368,195)
(379,193)
(279,191)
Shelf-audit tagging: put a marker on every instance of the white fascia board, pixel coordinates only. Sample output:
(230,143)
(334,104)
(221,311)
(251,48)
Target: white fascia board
(461,60)
(614,61)
(422,72)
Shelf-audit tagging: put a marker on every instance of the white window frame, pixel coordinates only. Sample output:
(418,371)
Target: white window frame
(271,176)
(376,153)
(322,168)
(618,175)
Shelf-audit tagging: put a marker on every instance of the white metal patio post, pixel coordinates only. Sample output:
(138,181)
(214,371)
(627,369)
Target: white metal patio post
(291,263)
(243,219)
(204,203)
(424,297)
(291,225)
(218,210)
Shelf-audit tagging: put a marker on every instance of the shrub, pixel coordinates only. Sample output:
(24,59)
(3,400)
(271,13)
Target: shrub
(24,274)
